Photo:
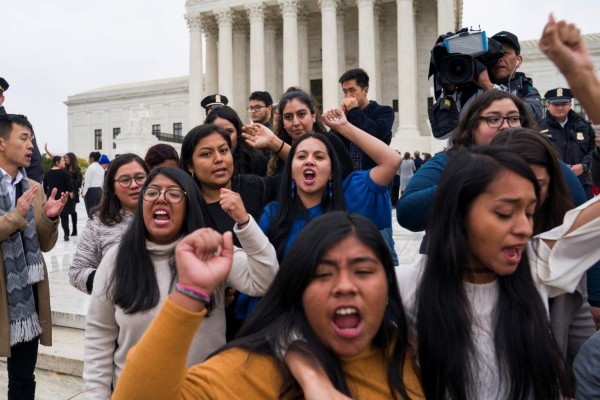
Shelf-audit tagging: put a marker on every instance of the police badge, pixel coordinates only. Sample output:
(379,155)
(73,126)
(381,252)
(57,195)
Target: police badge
(579,136)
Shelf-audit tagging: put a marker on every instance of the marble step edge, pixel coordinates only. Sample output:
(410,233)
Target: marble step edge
(68,320)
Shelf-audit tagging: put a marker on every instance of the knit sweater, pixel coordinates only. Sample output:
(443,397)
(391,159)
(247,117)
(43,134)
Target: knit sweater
(95,241)
(156,368)
(252,272)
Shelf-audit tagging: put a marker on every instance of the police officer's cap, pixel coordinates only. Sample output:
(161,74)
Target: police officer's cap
(558,95)
(3,85)
(213,100)
(509,38)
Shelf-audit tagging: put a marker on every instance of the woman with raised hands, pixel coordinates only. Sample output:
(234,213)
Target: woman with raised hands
(135,278)
(337,288)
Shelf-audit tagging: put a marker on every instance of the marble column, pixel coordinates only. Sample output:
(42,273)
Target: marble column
(379,15)
(271,56)
(240,67)
(225,20)
(341,37)
(445,16)
(211,33)
(195,91)
(291,71)
(366,43)
(257,46)
(303,48)
(329,53)
(407,70)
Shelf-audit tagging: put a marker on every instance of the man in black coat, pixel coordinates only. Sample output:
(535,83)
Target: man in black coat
(572,135)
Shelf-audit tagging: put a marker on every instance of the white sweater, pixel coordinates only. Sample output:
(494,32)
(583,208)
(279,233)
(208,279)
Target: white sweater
(251,273)
(555,271)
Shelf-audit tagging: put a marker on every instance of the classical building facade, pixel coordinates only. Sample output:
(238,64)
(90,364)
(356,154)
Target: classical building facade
(238,46)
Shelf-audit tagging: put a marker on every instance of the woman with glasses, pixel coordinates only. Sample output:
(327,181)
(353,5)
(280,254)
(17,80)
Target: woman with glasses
(487,115)
(109,221)
(246,160)
(135,278)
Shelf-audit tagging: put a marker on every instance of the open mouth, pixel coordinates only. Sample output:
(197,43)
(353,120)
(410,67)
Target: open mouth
(513,253)
(347,321)
(161,217)
(309,176)
(220,172)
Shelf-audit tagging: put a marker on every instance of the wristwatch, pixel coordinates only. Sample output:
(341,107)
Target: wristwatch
(495,86)
(586,167)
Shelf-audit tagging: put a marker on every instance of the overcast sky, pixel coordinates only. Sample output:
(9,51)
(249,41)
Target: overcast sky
(53,49)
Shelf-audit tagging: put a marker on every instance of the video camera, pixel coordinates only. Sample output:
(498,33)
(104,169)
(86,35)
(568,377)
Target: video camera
(458,57)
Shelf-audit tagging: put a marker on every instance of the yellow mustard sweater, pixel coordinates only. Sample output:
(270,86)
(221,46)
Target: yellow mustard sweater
(156,368)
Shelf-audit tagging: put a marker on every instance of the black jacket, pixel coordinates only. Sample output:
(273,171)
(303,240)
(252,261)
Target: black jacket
(574,142)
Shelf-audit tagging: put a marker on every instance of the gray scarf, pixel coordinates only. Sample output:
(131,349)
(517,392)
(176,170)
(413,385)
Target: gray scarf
(24,267)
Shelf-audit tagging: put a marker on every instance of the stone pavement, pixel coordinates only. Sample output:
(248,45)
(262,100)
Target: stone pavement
(69,307)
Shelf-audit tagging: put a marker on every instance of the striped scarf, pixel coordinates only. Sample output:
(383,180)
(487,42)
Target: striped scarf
(23,264)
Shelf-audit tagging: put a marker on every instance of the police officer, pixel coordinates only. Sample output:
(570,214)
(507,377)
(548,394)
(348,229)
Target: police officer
(572,135)
(213,101)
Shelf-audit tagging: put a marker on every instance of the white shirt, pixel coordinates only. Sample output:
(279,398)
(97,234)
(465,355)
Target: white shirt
(11,185)
(94,177)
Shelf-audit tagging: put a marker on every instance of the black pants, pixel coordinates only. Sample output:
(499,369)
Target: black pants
(74,218)
(64,222)
(20,366)
(92,198)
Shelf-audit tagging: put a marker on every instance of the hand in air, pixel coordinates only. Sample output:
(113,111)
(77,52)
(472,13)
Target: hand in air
(563,45)
(258,136)
(335,119)
(204,258)
(26,199)
(54,207)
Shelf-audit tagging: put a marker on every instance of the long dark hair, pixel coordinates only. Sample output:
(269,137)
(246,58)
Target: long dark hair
(464,133)
(132,284)
(293,93)
(281,310)
(243,154)
(109,209)
(289,202)
(537,149)
(529,359)
(191,140)
(73,166)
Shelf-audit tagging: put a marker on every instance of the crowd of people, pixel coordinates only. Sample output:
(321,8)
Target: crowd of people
(258,261)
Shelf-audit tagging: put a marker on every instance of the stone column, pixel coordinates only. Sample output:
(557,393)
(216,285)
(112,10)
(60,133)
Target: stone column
(291,72)
(196,88)
(446,19)
(366,43)
(329,53)
(407,70)
(303,48)
(379,40)
(225,20)
(257,46)
(211,33)
(271,56)
(240,67)
(341,37)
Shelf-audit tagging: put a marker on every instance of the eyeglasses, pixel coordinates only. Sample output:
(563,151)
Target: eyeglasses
(514,121)
(255,108)
(172,196)
(125,181)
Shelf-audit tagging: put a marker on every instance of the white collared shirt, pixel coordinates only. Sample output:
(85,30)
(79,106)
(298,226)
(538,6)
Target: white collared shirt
(94,177)
(11,185)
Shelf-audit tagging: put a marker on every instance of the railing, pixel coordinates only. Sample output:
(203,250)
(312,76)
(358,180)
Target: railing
(168,137)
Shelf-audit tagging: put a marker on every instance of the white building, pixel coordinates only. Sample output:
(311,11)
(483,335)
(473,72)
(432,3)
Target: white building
(248,45)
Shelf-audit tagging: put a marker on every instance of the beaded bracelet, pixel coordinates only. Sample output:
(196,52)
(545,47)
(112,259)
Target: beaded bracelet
(193,293)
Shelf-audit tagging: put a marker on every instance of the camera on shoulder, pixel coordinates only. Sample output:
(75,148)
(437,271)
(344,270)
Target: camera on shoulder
(457,58)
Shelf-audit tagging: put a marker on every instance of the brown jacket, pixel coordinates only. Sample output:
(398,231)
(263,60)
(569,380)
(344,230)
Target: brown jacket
(47,234)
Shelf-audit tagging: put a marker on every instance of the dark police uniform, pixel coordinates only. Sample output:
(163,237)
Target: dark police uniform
(574,141)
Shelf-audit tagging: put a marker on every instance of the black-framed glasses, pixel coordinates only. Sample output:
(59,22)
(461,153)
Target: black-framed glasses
(125,181)
(172,196)
(496,121)
(255,108)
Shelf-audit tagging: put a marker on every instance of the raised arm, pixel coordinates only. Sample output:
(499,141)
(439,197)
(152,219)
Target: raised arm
(384,156)
(259,136)
(563,45)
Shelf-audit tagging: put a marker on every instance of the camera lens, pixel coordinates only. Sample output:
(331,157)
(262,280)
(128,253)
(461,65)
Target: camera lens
(457,69)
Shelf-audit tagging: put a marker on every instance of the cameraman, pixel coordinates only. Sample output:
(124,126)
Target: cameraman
(444,114)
